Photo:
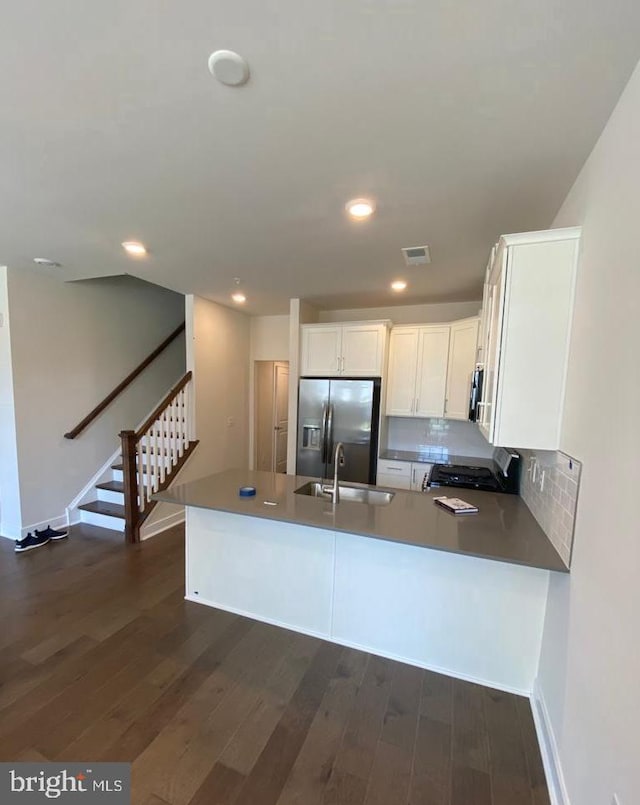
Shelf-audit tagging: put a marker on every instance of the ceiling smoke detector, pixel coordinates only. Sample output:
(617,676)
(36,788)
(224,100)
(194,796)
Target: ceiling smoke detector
(416,255)
(229,68)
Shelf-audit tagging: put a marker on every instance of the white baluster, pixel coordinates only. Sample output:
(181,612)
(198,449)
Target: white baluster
(163,443)
(149,467)
(182,422)
(140,465)
(158,459)
(174,433)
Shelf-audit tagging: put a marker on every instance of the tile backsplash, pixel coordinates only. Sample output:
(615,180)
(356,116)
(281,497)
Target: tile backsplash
(553,506)
(441,437)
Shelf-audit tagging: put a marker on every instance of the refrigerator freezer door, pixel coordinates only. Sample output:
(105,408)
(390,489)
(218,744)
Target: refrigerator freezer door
(353,421)
(313,412)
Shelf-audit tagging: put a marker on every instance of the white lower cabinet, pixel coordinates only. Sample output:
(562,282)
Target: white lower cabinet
(418,471)
(396,474)
(402,474)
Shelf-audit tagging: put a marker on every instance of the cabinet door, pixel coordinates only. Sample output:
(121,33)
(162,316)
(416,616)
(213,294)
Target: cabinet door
(403,363)
(418,471)
(320,351)
(462,361)
(362,349)
(494,337)
(433,355)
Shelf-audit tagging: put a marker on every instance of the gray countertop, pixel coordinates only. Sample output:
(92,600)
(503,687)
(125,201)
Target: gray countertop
(504,529)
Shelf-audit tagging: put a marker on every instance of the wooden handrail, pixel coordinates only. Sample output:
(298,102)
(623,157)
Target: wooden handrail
(162,405)
(122,385)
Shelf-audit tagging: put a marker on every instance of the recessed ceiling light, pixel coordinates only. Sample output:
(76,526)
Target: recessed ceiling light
(239,298)
(360,208)
(229,68)
(134,248)
(46,262)
(398,285)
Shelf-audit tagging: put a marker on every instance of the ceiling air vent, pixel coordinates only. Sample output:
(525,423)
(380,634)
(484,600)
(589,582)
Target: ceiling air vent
(416,255)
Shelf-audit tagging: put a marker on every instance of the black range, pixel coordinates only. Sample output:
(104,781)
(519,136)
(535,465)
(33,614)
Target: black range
(503,475)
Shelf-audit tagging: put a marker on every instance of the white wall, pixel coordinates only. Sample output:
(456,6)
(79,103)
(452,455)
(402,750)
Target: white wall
(71,343)
(218,344)
(10,517)
(269,338)
(590,664)
(300,312)
(406,314)
(219,359)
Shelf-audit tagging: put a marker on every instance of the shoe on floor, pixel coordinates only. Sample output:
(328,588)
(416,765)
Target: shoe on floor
(51,533)
(30,542)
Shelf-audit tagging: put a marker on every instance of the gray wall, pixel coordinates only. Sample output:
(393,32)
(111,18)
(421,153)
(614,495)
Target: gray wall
(71,343)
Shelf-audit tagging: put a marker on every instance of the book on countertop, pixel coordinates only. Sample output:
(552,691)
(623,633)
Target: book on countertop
(455,505)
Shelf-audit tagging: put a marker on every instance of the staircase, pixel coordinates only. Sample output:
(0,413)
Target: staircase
(151,458)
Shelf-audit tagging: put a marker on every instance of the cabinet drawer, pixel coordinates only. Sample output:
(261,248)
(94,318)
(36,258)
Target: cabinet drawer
(394,481)
(401,469)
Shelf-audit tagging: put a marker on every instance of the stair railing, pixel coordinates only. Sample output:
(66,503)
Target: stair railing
(123,384)
(153,454)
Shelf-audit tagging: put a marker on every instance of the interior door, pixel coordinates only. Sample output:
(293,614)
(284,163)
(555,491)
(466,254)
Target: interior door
(281,419)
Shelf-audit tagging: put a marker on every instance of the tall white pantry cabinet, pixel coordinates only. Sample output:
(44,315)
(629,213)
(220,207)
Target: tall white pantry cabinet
(525,333)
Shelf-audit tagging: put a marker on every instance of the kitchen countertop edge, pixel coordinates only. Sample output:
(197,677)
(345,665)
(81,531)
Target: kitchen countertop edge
(219,492)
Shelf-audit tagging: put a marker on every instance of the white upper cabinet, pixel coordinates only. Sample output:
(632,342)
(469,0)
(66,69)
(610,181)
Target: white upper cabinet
(320,350)
(431,378)
(530,290)
(462,360)
(349,350)
(363,347)
(403,365)
(430,368)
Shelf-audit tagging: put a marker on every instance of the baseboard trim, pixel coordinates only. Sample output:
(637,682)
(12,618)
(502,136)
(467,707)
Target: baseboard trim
(62,521)
(548,748)
(369,649)
(161,525)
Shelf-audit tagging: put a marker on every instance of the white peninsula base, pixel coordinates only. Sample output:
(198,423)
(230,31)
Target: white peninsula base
(470,618)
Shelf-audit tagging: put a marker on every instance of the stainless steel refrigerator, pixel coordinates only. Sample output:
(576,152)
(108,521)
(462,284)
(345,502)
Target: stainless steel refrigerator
(332,411)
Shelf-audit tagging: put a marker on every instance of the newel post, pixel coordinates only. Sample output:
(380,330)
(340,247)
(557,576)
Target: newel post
(130,481)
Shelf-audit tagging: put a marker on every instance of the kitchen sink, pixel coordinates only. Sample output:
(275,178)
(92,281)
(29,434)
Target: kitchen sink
(354,494)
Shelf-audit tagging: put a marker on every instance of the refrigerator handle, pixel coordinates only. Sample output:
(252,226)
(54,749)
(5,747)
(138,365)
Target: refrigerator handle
(323,432)
(329,432)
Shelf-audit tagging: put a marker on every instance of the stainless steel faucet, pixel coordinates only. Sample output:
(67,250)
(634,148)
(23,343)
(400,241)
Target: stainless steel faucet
(338,461)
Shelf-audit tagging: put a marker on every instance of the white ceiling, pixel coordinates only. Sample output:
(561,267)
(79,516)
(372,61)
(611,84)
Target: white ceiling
(462,119)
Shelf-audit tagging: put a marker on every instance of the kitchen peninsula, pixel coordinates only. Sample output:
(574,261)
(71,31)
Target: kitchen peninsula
(462,595)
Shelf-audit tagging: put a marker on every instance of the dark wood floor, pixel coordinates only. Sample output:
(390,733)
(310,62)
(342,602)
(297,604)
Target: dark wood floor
(102,659)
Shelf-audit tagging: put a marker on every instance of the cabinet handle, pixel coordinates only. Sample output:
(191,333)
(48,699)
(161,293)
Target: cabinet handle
(393,469)
(338,364)
(417,405)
